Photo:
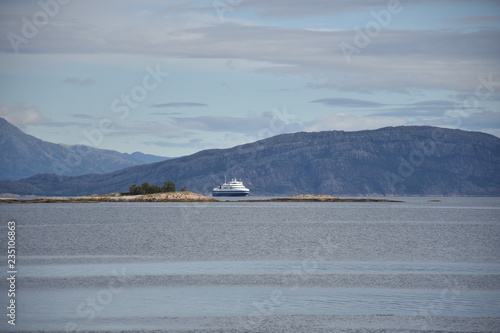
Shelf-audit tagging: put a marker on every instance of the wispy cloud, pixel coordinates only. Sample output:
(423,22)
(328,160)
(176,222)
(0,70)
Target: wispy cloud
(248,125)
(347,102)
(198,143)
(300,8)
(64,124)
(479,120)
(166,113)
(431,108)
(397,60)
(81,116)
(223,123)
(344,122)
(475,20)
(274,42)
(73,81)
(149,128)
(22,115)
(178,105)
(475,121)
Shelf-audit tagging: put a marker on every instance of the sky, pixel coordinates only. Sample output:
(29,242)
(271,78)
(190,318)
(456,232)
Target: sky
(173,77)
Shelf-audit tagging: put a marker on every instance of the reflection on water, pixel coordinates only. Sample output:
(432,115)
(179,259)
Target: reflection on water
(257,267)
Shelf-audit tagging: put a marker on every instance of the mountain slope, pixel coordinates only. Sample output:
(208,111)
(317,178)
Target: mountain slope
(22,155)
(388,161)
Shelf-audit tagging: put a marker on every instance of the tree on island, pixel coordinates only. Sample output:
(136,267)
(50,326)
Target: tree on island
(168,187)
(146,188)
(135,190)
(150,189)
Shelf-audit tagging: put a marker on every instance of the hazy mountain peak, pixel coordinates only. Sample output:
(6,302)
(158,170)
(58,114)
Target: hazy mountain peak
(23,155)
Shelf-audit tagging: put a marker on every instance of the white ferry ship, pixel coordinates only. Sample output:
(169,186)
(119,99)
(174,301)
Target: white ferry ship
(234,188)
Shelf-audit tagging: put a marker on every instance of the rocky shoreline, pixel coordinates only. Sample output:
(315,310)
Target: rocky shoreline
(319,198)
(182,196)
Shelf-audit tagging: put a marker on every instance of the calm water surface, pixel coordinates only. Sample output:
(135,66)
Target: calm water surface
(415,266)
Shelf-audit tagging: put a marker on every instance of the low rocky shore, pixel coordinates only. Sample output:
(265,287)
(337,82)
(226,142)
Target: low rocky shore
(320,198)
(182,196)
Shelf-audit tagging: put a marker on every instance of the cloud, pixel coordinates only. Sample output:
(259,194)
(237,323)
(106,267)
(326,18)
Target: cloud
(268,123)
(166,113)
(64,124)
(431,108)
(394,60)
(347,102)
(475,20)
(343,122)
(300,8)
(81,116)
(73,81)
(193,143)
(434,104)
(481,120)
(22,115)
(223,123)
(149,128)
(177,105)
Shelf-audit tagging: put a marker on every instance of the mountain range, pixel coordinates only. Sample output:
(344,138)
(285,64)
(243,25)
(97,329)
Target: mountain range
(23,155)
(405,160)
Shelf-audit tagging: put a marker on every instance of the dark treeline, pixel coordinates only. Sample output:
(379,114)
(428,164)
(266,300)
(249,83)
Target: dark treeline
(146,188)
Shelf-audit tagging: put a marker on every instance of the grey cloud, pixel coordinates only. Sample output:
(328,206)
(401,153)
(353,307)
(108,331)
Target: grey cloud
(424,108)
(64,124)
(78,82)
(81,116)
(436,44)
(475,121)
(394,60)
(482,120)
(301,8)
(193,143)
(22,115)
(347,102)
(177,105)
(434,104)
(224,123)
(167,113)
(251,125)
(476,20)
(148,128)
(431,108)
(279,90)
(461,97)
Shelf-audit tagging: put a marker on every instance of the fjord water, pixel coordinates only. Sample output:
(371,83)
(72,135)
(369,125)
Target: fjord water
(414,266)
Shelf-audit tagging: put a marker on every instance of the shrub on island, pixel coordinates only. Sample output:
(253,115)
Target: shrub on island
(146,188)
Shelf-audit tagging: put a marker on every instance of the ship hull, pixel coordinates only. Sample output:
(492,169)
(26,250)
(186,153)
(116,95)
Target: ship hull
(229,194)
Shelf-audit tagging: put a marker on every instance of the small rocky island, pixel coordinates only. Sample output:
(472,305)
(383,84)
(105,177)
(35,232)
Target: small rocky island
(181,196)
(319,198)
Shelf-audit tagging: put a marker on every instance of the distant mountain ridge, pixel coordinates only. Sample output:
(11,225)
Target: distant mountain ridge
(23,155)
(406,160)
